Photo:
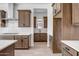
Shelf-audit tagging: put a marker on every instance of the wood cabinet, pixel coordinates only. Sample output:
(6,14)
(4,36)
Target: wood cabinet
(9,51)
(68,51)
(34,22)
(40,37)
(23,42)
(56,35)
(45,22)
(62,27)
(2,16)
(75,13)
(7,37)
(24,18)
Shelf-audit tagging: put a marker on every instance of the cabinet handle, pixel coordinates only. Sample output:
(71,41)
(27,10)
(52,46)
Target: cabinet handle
(21,40)
(25,38)
(66,48)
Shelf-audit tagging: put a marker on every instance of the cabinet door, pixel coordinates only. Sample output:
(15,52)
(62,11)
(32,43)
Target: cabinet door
(3,14)
(34,22)
(75,13)
(45,22)
(26,43)
(24,18)
(44,37)
(19,42)
(36,37)
(7,37)
(21,15)
(27,19)
(22,41)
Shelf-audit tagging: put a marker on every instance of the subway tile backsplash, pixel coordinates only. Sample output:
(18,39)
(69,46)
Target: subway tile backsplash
(12,27)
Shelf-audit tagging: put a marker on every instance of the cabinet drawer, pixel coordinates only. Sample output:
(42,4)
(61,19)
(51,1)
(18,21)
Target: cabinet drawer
(21,37)
(65,53)
(7,37)
(69,50)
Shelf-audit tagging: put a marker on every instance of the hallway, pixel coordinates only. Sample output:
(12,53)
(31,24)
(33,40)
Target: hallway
(40,49)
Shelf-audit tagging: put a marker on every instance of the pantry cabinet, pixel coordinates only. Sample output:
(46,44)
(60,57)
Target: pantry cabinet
(24,18)
(75,13)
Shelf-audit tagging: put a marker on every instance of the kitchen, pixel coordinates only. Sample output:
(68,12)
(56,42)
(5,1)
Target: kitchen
(15,27)
(31,29)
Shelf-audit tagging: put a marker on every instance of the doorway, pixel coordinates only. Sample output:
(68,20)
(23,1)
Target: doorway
(40,25)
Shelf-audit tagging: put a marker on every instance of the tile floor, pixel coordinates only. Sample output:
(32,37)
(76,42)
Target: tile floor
(40,49)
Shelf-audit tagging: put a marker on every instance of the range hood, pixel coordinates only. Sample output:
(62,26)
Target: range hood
(11,12)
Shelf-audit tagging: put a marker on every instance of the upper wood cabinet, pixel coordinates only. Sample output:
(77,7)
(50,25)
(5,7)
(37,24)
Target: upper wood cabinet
(34,21)
(24,18)
(45,22)
(2,16)
(75,13)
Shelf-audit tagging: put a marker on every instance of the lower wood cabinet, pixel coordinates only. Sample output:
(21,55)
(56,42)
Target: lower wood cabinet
(9,51)
(68,51)
(7,37)
(40,37)
(23,41)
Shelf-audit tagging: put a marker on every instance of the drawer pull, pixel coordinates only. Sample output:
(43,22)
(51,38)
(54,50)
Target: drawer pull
(21,40)
(25,38)
(66,48)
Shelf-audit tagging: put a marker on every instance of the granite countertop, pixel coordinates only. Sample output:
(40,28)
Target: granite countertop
(5,43)
(72,43)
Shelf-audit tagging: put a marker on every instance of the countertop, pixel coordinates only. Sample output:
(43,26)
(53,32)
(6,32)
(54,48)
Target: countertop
(72,43)
(5,43)
(15,34)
